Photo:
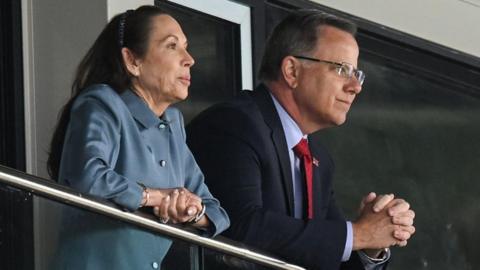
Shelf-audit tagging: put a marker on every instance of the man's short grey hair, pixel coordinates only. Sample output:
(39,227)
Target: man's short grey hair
(297,34)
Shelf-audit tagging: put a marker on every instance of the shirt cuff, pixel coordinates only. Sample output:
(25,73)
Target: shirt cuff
(374,263)
(348,243)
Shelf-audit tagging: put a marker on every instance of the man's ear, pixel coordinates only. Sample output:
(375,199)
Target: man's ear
(130,62)
(290,71)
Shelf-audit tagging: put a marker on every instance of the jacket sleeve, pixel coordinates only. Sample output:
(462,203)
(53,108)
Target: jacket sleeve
(90,152)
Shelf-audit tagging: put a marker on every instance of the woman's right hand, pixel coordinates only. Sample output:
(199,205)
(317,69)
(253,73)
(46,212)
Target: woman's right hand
(176,205)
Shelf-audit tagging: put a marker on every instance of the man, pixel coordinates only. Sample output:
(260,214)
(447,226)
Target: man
(279,199)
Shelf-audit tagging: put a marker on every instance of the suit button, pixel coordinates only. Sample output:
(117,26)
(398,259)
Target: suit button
(162,126)
(155,265)
(163,163)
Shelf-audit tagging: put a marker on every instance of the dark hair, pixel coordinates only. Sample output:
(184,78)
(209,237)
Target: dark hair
(103,63)
(295,35)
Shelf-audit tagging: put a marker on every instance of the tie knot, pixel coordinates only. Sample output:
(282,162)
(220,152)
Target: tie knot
(301,149)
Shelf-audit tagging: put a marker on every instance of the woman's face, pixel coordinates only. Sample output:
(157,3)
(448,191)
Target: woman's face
(164,71)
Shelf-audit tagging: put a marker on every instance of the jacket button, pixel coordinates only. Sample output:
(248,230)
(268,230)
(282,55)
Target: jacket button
(155,265)
(162,126)
(163,163)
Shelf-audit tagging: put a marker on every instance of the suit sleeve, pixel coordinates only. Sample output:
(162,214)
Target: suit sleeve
(194,181)
(230,153)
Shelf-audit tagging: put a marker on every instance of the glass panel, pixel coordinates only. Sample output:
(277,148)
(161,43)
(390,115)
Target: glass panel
(16,230)
(414,137)
(214,260)
(68,237)
(215,45)
(86,240)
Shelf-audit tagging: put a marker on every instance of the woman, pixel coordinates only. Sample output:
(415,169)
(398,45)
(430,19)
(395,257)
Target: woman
(118,139)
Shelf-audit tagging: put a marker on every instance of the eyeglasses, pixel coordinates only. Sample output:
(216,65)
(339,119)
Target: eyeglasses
(345,70)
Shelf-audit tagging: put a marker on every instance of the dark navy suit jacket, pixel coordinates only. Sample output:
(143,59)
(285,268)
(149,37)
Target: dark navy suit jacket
(241,148)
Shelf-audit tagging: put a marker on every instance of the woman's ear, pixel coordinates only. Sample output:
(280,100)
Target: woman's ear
(290,71)
(130,62)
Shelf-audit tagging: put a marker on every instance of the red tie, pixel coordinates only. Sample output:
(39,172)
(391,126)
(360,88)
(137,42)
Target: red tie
(303,152)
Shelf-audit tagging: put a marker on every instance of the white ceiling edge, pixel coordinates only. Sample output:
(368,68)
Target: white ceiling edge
(451,23)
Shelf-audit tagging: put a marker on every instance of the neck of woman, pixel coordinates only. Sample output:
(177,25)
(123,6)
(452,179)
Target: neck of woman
(153,103)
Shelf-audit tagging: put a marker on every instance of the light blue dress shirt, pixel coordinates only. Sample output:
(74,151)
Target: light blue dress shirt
(112,142)
(293,135)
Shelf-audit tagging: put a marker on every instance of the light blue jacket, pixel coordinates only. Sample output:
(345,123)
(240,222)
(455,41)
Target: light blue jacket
(112,142)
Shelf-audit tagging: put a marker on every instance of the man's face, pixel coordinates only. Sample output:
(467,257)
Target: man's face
(322,95)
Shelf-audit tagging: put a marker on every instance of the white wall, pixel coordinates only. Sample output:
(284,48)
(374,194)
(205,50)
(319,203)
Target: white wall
(117,6)
(451,23)
(58,34)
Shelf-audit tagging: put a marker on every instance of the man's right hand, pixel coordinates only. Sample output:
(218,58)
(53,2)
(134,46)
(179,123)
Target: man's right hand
(376,229)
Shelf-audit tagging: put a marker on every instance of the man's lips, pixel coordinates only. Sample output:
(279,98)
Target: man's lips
(345,102)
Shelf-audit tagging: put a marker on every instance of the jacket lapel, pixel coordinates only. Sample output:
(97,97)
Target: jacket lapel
(321,175)
(265,103)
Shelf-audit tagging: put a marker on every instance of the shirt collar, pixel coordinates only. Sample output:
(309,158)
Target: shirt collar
(140,110)
(293,133)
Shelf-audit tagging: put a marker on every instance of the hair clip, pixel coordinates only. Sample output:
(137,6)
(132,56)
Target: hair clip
(121,27)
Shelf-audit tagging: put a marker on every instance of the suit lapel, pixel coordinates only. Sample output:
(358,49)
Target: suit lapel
(270,115)
(317,184)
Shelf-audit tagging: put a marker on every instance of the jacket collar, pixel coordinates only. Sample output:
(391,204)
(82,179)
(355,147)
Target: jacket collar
(140,110)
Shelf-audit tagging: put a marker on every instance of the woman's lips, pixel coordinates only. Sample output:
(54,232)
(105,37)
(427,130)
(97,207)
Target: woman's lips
(185,80)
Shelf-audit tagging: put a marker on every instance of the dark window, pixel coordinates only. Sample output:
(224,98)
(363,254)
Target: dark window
(215,45)
(418,139)
(12,146)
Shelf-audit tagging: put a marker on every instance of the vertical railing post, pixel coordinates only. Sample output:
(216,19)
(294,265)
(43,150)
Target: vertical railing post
(196,257)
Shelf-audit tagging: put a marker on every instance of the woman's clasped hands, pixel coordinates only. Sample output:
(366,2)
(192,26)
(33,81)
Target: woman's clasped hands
(175,205)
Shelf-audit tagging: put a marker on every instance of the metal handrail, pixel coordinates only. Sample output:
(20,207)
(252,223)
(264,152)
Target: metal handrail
(54,191)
